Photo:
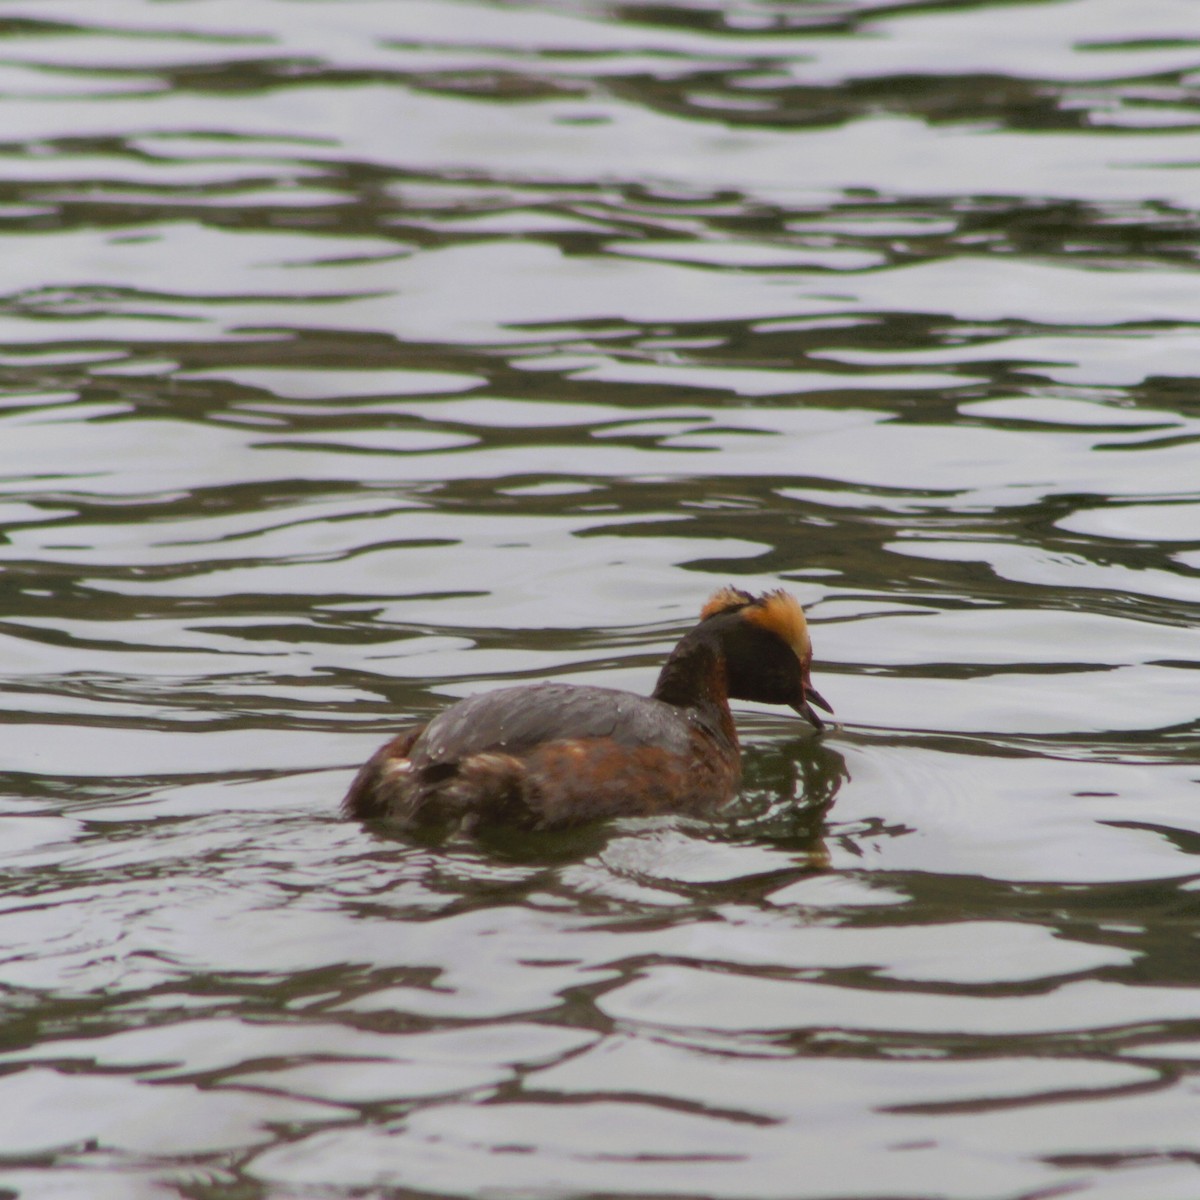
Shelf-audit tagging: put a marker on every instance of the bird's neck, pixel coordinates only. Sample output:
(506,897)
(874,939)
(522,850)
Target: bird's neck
(694,677)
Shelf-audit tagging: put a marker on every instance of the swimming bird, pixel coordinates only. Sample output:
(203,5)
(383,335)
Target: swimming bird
(550,755)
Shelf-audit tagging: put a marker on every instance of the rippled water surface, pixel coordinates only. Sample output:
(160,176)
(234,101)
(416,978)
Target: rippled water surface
(360,354)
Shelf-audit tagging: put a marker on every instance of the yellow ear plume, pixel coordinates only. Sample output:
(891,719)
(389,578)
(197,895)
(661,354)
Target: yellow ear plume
(780,613)
(727,599)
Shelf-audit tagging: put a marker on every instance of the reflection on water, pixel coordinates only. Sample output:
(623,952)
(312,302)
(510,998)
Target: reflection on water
(355,357)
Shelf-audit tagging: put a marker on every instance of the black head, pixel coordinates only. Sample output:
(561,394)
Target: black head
(767,649)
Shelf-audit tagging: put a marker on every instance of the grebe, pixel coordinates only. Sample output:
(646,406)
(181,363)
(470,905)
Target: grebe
(548,755)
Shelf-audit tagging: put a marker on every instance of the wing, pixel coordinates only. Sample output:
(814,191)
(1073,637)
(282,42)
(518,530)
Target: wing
(517,719)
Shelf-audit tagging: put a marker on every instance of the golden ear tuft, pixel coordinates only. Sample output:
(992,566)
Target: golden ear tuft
(728,599)
(780,613)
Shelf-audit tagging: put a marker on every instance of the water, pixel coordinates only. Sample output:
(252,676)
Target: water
(355,356)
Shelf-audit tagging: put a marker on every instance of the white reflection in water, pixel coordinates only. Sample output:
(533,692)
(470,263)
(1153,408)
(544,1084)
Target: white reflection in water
(355,356)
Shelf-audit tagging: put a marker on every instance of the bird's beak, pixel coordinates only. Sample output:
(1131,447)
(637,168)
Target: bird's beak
(809,697)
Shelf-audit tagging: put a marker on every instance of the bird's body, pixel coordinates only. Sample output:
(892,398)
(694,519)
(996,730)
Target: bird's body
(552,754)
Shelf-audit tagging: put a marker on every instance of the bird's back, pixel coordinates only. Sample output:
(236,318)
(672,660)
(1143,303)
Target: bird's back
(546,755)
(520,718)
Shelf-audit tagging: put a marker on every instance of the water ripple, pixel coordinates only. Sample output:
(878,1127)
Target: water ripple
(354,357)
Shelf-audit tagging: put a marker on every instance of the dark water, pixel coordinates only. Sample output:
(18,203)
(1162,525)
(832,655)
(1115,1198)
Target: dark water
(359,355)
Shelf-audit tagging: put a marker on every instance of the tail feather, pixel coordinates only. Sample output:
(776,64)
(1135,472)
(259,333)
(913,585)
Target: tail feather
(491,786)
(381,780)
